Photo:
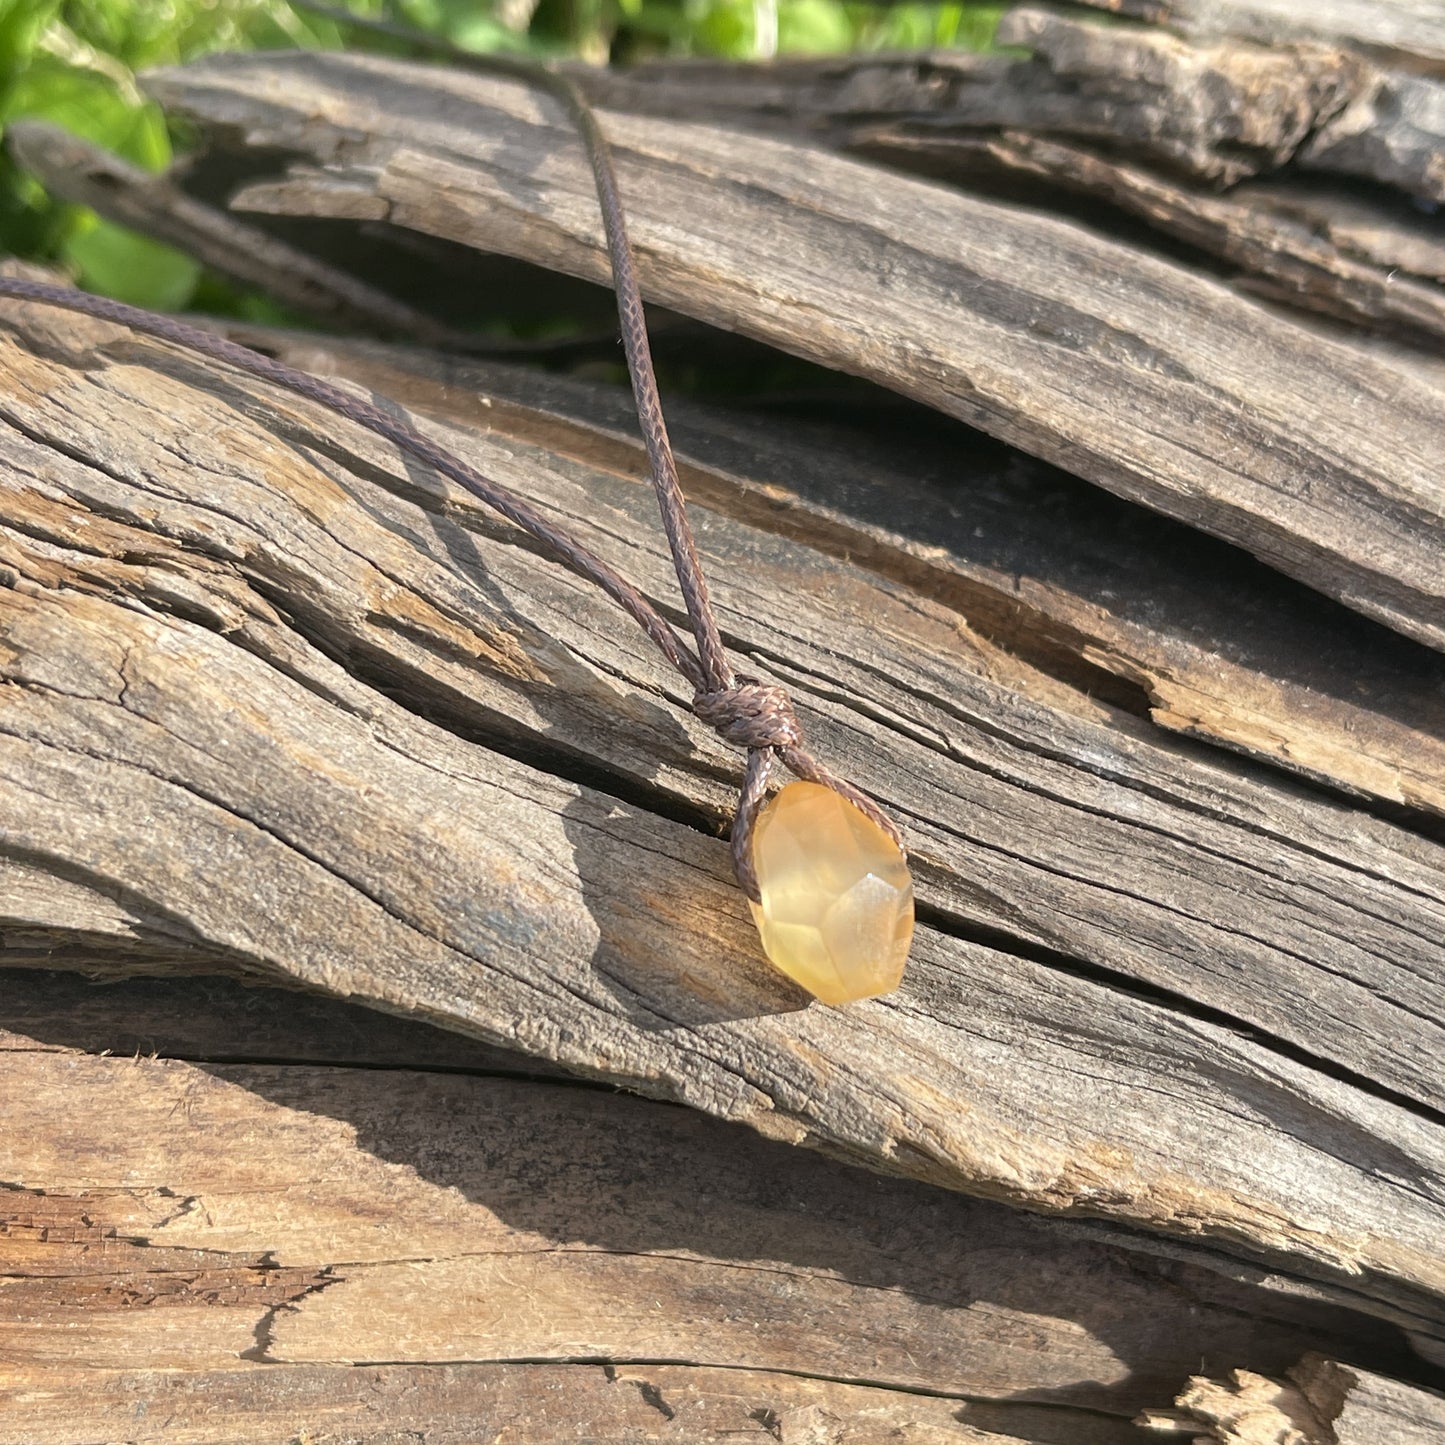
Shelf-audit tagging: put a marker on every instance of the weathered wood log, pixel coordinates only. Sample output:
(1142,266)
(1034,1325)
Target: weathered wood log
(1212,113)
(1358,1406)
(1104,597)
(1095,103)
(1136,374)
(276,703)
(588,1403)
(1405,32)
(1090,107)
(1215,111)
(1408,245)
(281,705)
(1299,248)
(1353,119)
(1390,135)
(270,1250)
(1322,1402)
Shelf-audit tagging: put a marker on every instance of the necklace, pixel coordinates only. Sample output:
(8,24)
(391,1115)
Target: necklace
(821,865)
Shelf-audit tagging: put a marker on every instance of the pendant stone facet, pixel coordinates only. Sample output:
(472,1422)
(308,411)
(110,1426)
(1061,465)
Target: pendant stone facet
(837,899)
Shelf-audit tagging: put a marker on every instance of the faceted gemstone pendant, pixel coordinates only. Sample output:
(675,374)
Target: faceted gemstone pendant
(837,899)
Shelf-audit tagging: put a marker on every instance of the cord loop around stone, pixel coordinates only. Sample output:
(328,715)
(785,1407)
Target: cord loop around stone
(751,714)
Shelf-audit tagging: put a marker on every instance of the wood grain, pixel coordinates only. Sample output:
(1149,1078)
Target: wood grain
(1161,1093)
(1337,114)
(1053,573)
(1139,119)
(1211,113)
(1405,31)
(1300,248)
(1390,129)
(278,705)
(364,1250)
(1358,1406)
(1136,374)
(1320,1402)
(509,1404)
(1214,108)
(1253,664)
(1392,135)
(212,1019)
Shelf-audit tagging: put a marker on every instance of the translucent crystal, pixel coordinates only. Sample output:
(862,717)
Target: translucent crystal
(837,899)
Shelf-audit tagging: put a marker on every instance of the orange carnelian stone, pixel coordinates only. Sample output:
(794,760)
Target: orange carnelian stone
(837,899)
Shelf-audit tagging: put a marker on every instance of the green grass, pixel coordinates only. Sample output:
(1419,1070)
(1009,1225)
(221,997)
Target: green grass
(75,62)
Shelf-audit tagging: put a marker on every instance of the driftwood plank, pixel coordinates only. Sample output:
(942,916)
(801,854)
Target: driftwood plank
(1390,129)
(1133,373)
(280,705)
(1053,572)
(1137,119)
(1392,135)
(1215,112)
(1371,260)
(1256,664)
(1214,109)
(262,1237)
(1411,245)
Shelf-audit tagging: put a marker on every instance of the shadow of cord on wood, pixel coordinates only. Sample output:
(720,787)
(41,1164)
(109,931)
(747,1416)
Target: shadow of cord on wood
(743,710)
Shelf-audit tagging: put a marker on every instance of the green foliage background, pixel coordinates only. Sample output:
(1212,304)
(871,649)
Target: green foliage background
(75,62)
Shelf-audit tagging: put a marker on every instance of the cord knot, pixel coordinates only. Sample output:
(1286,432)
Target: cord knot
(751,714)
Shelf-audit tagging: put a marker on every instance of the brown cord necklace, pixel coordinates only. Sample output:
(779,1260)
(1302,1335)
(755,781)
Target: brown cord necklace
(822,866)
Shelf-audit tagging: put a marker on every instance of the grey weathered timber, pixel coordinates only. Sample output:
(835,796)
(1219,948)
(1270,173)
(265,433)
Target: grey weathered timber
(1134,373)
(1213,113)
(1049,570)
(1392,134)
(1172,121)
(584,1403)
(1193,114)
(340,1218)
(333,1217)
(1363,260)
(1208,111)
(1390,128)
(1339,113)
(1319,1402)
(1359,1407)
(1407,244)
(1408,32)
(212,1019)
(1300,247)
(281,705)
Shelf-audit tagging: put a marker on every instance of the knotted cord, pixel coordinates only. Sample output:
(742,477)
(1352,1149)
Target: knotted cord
(744,711)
